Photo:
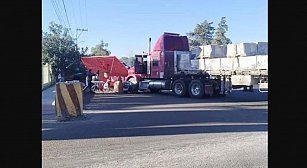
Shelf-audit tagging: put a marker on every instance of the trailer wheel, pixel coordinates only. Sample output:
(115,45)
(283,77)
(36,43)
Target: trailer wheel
(179,88)
(196,89)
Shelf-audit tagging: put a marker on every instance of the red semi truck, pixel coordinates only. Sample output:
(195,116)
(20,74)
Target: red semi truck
(168,67)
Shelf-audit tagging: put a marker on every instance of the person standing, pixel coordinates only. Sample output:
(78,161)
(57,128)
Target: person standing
(99,85)
(89,77)
(97,75)
(59,77)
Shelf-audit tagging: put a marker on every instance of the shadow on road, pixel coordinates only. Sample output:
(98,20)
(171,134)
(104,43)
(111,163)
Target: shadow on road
(146,114)
(105,125)
(126,101)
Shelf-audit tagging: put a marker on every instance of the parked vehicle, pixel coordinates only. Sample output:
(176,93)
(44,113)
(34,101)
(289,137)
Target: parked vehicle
(168,67)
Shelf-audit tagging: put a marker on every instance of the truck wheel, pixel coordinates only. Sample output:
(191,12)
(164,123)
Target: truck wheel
(196,89)
(179,88)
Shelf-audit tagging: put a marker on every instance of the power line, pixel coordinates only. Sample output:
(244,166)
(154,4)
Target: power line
(85,14)
(86,37)
(60,13)
(81,20)
(80,15)
(74,16)
(66,15)
(56,10)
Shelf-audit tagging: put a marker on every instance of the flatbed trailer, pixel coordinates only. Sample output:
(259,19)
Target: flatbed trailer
(244,71)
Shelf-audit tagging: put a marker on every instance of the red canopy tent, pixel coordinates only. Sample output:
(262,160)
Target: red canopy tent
(109,64)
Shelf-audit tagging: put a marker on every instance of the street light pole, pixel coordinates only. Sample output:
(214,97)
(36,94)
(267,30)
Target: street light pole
(79,35)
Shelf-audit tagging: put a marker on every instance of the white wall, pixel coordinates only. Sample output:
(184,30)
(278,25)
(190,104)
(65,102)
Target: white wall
(46,75)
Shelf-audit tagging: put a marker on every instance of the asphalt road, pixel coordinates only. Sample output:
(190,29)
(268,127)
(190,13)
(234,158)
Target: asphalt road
(159,130)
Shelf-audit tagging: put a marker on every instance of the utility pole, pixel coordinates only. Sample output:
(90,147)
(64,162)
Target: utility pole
(79,35)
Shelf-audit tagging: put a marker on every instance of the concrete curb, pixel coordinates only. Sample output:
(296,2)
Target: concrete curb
(47,86)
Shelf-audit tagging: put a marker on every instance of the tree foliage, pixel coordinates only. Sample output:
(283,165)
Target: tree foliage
(205,34)
(100,49)
(128,61)
(219,37)
(59,50)
(202,34)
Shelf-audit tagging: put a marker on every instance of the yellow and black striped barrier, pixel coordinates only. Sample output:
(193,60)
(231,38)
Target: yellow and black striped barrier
(68,100)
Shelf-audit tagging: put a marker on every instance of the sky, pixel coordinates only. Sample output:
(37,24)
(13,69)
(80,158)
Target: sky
(126,25)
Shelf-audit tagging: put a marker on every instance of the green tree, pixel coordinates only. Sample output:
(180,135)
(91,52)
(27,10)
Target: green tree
(124,60)
(202,34)
(219,37)
(100,49)
(59,50)
(128,61)
(131,61)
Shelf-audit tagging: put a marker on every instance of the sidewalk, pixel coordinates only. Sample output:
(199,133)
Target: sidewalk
(48,101)
(48,97)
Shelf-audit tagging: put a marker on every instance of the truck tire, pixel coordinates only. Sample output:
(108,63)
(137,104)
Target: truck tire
(196,89)
(179,88)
